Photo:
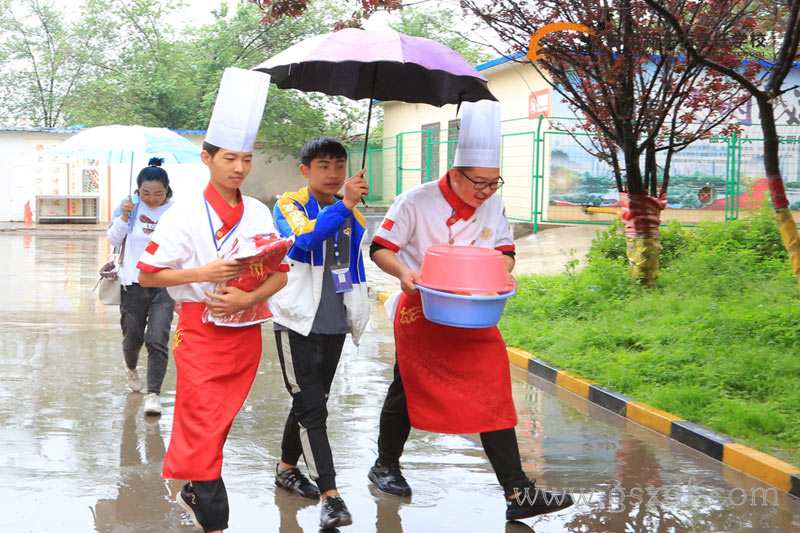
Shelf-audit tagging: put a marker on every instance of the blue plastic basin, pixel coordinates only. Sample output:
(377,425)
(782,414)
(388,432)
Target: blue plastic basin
(463,311)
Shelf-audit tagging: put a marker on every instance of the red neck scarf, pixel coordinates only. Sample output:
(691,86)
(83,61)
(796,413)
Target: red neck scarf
(462,209)
(230,215)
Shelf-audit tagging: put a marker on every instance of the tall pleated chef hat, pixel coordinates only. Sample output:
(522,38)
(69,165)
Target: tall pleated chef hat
(238,109)
(479,135)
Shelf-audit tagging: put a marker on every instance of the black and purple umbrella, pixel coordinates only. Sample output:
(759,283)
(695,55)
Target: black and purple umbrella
(379,65)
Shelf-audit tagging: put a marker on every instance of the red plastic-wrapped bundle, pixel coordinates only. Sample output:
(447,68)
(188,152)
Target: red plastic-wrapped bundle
(262,255)
(641,214)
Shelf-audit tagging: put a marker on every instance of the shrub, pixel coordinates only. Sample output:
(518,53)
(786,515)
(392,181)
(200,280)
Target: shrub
(609,244)
(757,233)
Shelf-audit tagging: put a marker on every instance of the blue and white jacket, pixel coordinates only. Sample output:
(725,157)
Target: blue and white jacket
(295,306)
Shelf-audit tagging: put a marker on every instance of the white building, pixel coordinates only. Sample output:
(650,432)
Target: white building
(95,188)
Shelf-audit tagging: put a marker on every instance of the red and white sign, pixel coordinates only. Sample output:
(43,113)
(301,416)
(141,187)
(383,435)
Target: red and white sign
(539,103)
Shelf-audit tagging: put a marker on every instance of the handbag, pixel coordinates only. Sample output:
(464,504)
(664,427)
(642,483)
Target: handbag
(108,286)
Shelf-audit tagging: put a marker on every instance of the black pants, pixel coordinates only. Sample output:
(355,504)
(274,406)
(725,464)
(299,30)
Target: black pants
(212,499)
(309,364)
(146,317)
(500,446)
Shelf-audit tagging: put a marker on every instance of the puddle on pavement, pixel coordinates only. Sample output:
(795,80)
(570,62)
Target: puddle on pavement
(77,455)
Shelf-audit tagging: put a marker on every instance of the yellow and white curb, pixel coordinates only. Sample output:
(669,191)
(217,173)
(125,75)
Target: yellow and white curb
(768,469)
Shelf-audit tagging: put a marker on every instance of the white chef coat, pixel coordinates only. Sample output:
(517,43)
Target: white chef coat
(188,235)
(432,214)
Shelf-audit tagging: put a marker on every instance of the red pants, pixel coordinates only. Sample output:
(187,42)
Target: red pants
(216,367)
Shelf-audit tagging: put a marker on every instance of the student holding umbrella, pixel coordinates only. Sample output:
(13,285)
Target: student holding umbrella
(447,379)
(325,298)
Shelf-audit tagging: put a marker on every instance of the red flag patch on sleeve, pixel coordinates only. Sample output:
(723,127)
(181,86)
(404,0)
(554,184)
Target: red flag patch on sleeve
(387,224)
(152,246)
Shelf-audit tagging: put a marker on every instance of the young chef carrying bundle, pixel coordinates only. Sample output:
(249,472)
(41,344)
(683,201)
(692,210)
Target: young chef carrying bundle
(215,364)
(449,379)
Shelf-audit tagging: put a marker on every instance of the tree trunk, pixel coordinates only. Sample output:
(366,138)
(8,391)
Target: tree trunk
(641,215)
(771,154)
(777,193)
(791,240)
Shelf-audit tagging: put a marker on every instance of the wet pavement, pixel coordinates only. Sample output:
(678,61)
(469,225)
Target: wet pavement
(77,455)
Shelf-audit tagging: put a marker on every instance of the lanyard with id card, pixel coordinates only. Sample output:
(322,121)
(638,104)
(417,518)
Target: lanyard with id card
(340,271)
(218,245)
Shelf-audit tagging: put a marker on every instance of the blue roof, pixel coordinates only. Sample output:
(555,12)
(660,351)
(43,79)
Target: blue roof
(516,55)
(40,130)
(499,61)
(78,129)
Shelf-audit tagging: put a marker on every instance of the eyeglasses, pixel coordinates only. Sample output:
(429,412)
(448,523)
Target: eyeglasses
(481,185)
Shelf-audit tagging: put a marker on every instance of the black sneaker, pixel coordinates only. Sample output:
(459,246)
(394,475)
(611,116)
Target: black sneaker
(334,513)
(529,501)
(186,498)
(518,527)
(294,481)
(389,479)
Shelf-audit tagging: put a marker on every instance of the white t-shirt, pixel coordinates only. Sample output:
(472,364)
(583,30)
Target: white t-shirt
(189,234)
(431,214)
(144,224)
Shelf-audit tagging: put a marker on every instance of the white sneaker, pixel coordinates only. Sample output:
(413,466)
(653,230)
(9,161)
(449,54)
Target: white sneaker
(134,381)
(152,404)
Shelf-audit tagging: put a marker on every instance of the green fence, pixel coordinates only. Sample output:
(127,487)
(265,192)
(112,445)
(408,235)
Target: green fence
(550,178)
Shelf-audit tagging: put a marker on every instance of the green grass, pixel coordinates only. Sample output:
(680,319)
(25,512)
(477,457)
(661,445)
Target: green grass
(716,342)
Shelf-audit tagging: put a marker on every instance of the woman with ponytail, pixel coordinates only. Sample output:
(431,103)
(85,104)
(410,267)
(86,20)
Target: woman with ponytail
(146,312)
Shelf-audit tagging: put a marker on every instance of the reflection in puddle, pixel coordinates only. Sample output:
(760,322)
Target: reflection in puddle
(142,501)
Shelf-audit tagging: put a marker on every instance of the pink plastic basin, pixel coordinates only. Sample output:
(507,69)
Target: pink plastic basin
(464,268)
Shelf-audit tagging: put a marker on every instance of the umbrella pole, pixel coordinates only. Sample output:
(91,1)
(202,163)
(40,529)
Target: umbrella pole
(366,140)
(366,136)
(130,179)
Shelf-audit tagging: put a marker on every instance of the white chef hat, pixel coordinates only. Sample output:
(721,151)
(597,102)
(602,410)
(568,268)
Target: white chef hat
(238,109)
(479,135)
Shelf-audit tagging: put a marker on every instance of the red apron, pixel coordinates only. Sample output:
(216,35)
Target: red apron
(457,380)
(216,367)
